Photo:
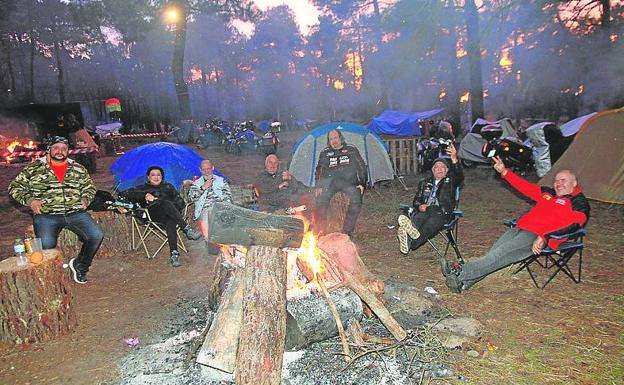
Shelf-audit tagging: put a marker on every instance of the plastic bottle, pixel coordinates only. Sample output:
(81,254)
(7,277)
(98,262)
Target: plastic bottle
(19,249)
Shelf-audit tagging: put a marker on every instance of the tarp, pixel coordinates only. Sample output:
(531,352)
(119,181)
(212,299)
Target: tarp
(179,163)
(471,145)
(573,126)
(306,152)
(541,147)
(400,123)
(596,156)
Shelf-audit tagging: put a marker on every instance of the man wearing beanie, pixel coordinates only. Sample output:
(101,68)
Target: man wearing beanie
(58,190)
(433,203)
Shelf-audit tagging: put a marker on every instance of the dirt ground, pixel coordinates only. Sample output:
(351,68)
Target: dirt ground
(564,334)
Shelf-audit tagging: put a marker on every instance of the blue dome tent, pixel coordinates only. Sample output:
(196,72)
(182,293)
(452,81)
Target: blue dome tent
(400,123)
(306,152)
(179,163)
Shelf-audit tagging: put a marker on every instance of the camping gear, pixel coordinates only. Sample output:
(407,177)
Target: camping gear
(536,133)
(400,123)
(179,163)
(597,157)
(306,152)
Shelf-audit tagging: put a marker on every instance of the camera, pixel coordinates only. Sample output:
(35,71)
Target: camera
(444,143)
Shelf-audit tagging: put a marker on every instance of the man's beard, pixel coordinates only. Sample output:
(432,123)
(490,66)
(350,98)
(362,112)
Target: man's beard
(59,158)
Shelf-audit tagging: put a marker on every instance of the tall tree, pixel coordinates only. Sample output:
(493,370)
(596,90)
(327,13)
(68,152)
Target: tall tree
(474,58)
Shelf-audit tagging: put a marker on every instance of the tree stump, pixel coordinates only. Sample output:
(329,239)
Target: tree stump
(263,330)
(117,238)
(35,300)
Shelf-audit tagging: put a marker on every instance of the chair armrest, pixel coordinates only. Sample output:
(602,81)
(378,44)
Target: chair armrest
(572,235)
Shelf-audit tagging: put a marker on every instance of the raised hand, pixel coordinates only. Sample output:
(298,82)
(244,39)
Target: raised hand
(452,151)
(499,165)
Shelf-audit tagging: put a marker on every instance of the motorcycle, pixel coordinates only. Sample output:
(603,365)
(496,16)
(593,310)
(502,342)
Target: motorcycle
(268,142)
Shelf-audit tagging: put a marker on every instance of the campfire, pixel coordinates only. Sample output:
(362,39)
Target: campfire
(10,150)
(287,289)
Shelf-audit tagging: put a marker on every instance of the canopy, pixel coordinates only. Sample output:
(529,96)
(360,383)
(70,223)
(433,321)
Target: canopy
(596,156)
(306,152)
(179,163)
(400,123)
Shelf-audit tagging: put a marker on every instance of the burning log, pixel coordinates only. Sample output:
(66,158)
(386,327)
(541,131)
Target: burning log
(309,319)
(232,224)
(263,331)
(339,249)
(35,300)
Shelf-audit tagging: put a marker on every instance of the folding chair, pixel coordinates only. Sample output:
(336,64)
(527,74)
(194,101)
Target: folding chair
(553,261)
(449,233)
(145,230)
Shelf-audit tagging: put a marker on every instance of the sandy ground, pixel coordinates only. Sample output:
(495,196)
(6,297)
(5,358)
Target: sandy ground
(565,334)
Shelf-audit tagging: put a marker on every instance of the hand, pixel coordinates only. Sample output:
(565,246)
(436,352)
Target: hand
(452,151)
(499,166)
(422,208)
(361,188)
(208,183)
(283,185)
(85,204)
(149,198)
(538,245)
(285,175)
(318,191)
(35,206)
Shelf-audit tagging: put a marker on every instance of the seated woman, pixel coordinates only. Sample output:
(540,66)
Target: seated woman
(164,204)
(433,203)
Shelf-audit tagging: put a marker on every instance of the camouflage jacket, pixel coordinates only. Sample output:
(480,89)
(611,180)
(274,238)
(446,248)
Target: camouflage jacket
(37,181)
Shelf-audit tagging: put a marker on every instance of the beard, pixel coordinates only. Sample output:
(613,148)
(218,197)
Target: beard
(59,157)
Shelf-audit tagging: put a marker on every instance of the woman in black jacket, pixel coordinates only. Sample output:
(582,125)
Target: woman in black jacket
(164,204)
(433,203)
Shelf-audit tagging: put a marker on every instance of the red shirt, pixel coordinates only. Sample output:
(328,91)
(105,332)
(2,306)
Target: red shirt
(59,170)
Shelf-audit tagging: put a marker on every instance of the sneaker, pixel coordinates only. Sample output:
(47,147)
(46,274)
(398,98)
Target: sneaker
(406,223)
(449,268)
(191,233)
(78,275)
(175,259)
(404,246)
(454,284)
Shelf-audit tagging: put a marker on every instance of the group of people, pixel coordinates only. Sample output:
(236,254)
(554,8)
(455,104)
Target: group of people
(58,191)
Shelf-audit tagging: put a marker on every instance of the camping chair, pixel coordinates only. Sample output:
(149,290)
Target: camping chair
(553,261)
(144,230)
(449,232)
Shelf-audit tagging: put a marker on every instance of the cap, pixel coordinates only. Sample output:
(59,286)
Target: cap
(443,160)
(56,139)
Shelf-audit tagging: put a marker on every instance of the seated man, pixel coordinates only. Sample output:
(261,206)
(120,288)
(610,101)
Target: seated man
(204,192)
(58,191)
(277,190)
(433,203)
(164,204)
(559,210)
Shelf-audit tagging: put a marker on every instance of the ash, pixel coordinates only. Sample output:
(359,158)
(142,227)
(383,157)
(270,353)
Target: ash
(417,360)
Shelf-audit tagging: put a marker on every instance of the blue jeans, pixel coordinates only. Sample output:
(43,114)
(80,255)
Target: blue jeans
(512,247)
(48,227)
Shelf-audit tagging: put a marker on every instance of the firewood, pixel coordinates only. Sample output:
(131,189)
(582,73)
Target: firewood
(234,225)
(263,331)
(309,319)
(221,343)
(355,332)
(332,307)
(35,300)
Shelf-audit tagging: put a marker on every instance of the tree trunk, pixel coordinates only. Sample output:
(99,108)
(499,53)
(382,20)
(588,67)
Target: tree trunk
(234,225)
(7,49)
(59,66)
(474,59)
(309,319)
(177,65)
(33,50)
(35,300)
(263,332)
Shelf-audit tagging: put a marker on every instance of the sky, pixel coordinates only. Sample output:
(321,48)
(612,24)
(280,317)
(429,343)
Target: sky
(306,14)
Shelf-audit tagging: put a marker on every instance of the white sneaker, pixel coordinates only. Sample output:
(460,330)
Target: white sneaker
(404,246)
(406,223)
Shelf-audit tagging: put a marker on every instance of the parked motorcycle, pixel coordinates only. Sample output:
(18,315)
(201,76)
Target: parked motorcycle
(268,142)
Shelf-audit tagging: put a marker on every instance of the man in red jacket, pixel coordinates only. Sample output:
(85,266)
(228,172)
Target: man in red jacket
(558,210)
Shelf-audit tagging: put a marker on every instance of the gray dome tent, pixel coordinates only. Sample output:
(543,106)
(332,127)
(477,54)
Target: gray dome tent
(306,152)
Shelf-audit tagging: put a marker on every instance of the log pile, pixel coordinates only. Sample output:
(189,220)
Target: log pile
(254,323)
(35,300)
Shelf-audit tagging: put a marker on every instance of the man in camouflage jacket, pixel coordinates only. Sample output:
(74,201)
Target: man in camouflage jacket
(58,191)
